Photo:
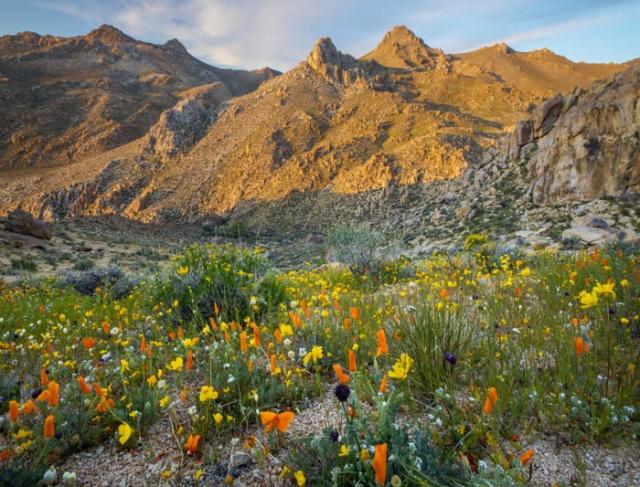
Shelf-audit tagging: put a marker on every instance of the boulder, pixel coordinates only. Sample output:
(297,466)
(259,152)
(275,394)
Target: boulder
(23,222)
(548,114)
(589,235)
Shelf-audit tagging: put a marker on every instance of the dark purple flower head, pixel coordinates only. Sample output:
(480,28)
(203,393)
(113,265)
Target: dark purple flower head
(36,392)
(334,435)
(450,358)
(342,392)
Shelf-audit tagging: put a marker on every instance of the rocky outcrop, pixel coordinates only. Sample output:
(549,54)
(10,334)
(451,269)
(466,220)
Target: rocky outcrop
(183,125)
(24,223)
(585,145)
(332,65)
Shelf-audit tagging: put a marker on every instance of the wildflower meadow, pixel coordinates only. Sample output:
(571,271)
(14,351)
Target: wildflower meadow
(440,371)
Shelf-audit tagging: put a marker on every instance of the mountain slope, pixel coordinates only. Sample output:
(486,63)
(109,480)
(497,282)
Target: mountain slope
(67,98)
(305,147)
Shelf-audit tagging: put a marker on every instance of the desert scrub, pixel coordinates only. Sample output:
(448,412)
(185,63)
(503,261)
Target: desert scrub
(361,249)
(229,279)
(21,264)
(110,279)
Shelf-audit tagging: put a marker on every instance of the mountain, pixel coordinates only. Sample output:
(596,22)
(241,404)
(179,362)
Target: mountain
(64,99)
(339,138)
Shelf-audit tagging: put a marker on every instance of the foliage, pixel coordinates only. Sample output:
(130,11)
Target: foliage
(364,251)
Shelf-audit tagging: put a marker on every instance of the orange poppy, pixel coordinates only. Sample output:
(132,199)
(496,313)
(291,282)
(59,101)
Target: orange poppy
(88,343)
(342,377)
(278,335)
(355,313)
(84,387)
(526,457)
(444,294)
(189,365)
(192,445)
(380,463)
(29,407)
(580,346)
(347,324)
(213,324)
(216,309)
(243,341)
(250,365)
(54,393)
(14,410)
(256,336)
(180,332)
(383,347)
(295,319)
(105,404)
(352,361)
(490,401)
(383,384)
(105,327)
(43,396)
(272,420)
(273,363)
(99,391)
(44,378)
(49,427)
(172,335)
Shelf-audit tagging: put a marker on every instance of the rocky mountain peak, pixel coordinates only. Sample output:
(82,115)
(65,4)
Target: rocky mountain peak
(109,35)
(324,52)
(401,48)
(402,35)
(331,64)
(176,45)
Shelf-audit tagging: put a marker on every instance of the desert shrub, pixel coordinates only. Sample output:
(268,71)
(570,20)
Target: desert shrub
(474,240)
(110,279)
(24,265)
(83,265)
(363,250)
(208,277)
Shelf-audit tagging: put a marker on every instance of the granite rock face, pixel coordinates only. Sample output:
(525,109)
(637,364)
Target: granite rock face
(587,144)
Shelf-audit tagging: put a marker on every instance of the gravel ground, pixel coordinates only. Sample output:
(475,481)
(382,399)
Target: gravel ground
(108,465)
(587,465)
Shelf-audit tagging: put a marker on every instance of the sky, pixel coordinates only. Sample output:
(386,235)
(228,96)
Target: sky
(280,33)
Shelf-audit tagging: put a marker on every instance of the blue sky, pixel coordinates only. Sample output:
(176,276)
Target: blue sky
(280,33)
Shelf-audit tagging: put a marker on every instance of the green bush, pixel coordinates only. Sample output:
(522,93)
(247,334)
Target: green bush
(227,277)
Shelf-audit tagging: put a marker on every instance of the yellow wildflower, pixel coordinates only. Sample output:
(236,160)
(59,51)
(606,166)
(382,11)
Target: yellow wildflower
(300,478)
(401,367)
(176,364)
(315,354)
(124,433)
(208,393)
(587,299)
